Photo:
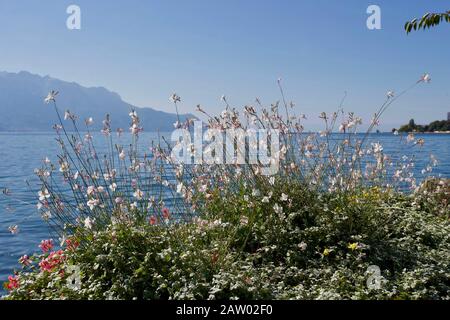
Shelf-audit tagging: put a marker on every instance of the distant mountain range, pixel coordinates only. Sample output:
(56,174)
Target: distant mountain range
(22,106)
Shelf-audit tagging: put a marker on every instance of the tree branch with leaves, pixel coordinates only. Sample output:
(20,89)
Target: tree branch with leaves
(427,21)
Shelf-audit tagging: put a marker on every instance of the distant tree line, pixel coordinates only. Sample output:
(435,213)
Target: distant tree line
(439,125)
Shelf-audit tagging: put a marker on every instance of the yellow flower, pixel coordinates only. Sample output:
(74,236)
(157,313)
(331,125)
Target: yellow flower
(353,246)
(326,252)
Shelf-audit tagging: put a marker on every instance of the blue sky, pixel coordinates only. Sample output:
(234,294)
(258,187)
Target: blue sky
(201,49)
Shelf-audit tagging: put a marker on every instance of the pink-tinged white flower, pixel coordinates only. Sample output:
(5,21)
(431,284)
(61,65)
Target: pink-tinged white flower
(390,94)
(152,220)
(284,197)
(135,129)
(43,195)
(90,190)
(410,137)
(180,187)
(118,200)
(47,160)
(377,148)
(89,223)
(89,121)
(122,155)
(25,260)
(64,167)
(138,194)
(46,215)
(133,114)
(425,78)
(93,203)
(51,96)
(46,245)
(302,246)
(13,229)
(244,220)
(175,98)
(101,189)
(113,187)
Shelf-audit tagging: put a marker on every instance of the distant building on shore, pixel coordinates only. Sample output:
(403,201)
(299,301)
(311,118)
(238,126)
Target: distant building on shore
(448,116)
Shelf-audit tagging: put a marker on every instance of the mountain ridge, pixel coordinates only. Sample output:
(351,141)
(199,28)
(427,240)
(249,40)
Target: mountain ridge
(22,106)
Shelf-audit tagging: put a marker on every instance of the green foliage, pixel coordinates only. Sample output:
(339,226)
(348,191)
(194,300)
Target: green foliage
(427,21)
(442,125)
(318,246)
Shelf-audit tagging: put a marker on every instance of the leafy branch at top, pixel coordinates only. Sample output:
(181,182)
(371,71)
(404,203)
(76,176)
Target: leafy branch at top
(427,21)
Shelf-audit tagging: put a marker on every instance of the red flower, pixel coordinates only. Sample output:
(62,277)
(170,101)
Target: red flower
(46,245)
(166,214)
(13,283)
(152,220)
(53,261)
(72,244)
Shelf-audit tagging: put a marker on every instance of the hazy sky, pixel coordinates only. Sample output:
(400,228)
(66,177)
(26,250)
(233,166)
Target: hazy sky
(201,49)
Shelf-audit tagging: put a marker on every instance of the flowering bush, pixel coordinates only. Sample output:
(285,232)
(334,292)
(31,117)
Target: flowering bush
(312,246)
(340,220)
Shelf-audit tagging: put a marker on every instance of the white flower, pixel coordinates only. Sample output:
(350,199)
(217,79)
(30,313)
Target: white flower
(284,197)
(302,246)
(92,203)
(113,187)
(390,94)
(278,209)
(46,215)
(265,200)
(133,114)
(255,193)
(272,180)
(180,187)
(43,195)
(244,220)
(13,229)
(377,148)
(122,155)
(90,190)
(51,96)
(89,121)
(88,223)
(138,194)
(64,167)
(425,78)
(47,160)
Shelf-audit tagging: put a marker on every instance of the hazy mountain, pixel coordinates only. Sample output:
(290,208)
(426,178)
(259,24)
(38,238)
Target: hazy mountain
(22,106)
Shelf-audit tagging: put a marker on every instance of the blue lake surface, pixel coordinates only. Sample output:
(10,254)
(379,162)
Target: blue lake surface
(21,153)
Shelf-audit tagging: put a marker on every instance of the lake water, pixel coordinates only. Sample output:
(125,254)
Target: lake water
(21,153)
